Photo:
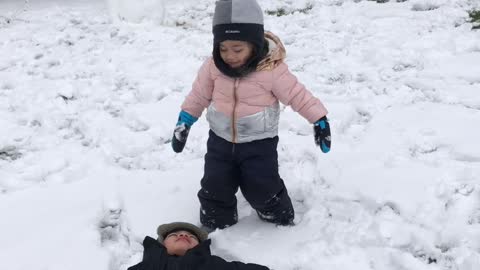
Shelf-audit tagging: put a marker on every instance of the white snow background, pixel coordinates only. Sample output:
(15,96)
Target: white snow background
(88,103)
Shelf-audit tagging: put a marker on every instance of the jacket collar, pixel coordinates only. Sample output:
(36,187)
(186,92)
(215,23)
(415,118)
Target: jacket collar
(202,249)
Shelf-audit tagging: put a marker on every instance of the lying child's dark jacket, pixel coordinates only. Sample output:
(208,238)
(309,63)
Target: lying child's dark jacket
(155,257)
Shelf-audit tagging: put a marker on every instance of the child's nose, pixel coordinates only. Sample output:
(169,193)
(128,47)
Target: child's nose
(229,57)
(184,235)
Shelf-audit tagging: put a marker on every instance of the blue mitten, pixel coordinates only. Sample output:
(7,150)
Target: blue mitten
(180,134)
(322,134)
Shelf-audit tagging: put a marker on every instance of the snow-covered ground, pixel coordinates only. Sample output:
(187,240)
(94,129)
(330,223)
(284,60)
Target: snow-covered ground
(87,109)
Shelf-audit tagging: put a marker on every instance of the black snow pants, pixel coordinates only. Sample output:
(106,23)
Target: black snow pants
(252,167)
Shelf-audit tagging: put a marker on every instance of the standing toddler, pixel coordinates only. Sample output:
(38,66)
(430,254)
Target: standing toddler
(241,86)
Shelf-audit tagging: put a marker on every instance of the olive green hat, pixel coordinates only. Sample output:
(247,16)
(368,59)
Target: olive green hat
(165,229)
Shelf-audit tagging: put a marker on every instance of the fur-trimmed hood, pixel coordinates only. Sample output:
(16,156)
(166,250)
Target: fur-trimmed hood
(276,53)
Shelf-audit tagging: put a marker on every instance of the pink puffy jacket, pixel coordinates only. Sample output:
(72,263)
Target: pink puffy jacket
(247,109)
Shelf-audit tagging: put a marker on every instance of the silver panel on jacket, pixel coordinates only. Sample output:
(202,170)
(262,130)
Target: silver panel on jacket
(261,125)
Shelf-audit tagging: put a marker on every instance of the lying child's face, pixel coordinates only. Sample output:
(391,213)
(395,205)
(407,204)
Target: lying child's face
(235,52)
(179,242)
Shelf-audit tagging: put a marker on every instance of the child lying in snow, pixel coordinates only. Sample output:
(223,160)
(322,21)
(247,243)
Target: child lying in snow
(182,245)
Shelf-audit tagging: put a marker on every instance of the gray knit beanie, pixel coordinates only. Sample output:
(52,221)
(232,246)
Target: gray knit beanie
(238,20)
(237,11)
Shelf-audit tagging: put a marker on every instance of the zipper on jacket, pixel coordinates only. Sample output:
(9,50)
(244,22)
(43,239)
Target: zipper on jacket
(234,127)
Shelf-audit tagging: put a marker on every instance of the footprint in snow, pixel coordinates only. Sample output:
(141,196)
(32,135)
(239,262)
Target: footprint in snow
(116,237)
